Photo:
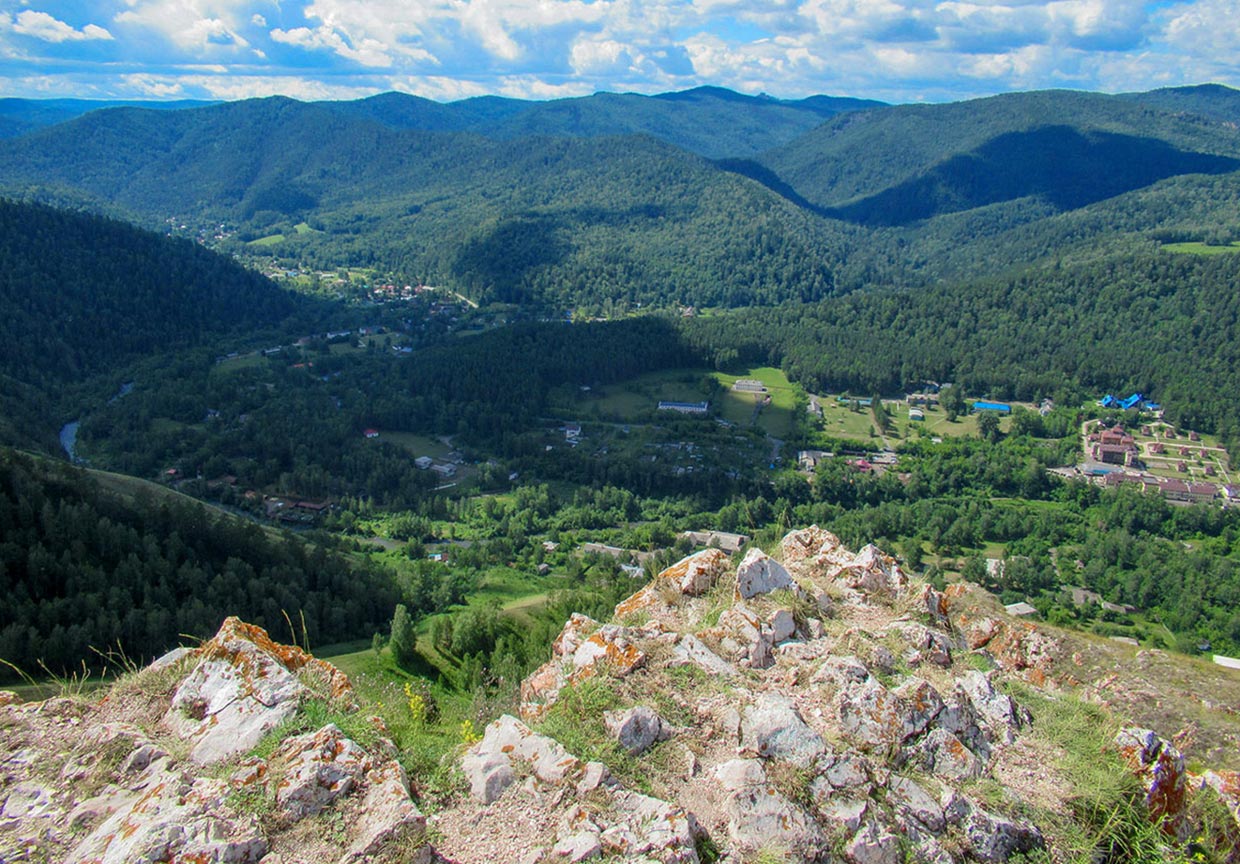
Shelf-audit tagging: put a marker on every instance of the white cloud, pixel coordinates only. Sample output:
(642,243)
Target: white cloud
(368,52)
(40,25)
(191,25)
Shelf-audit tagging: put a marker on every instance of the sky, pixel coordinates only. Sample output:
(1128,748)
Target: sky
(893,50)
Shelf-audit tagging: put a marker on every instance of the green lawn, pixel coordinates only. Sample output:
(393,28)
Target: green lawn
(416,445)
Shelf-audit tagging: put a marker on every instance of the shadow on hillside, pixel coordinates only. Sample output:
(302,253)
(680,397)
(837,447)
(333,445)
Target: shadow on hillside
(1061,165)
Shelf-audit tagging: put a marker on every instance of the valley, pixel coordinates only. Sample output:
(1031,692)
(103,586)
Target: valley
(409,385)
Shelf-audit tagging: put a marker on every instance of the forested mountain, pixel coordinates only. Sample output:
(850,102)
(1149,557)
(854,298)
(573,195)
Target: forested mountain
(556,220)
(81,295)
(83,564)
(19,116)
(605,199)
(708,121)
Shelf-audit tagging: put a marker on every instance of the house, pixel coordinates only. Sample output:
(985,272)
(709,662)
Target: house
(916,414)
(997,407)
(1115,447)
(723,540)
(371,433)
(807,460)
(748,385)
(444,469)
(1020,609)
(685,407)
(423,463)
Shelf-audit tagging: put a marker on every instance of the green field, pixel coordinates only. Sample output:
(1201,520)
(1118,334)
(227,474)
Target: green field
(776,418)
(416,445)
(839,420)
(1198,248)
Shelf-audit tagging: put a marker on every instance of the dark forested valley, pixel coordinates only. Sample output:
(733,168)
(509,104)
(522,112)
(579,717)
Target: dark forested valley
(494,337)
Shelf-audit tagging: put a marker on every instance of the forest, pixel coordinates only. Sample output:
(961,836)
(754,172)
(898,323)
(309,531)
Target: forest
(595,242)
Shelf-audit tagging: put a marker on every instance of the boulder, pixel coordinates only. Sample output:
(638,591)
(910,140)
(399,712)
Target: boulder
(942,754)
(178,819)
(813,547)
(636,729)
(989,837)
(875,719)
(743,637)
(782,626)
(388,816)
(488,764)
(759,817)
(583,649)
(244,685)
(998,714)
(318,768)
(690,650)
(773,729)
(874,844)
(697,573)
(759,573)
(912,800)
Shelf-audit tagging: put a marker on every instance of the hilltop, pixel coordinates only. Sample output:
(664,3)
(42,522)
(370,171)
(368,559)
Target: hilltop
(824,706)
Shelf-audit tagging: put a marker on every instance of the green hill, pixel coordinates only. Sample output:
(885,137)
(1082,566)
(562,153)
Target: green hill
(82,296)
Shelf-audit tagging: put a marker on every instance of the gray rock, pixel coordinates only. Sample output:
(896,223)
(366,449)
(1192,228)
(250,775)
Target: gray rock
(874,844)
(636,729)
(989,837)
(782,626)
(177,820)
(388,815)
(841,672)
(690,650)
(759,817)
(910,798)
(759,573)
(773,729)
(577,847)
(488,764)
(922,702)
(998,713)
(874,718)
(321,767)
(848,771)
(234,696)
(847,813)
(942,754)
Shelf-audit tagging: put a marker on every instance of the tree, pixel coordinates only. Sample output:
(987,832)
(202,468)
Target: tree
(952,401)
(988,426)
(404,640)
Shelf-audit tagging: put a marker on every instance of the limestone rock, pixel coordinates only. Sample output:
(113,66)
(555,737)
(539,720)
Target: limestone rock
(999,715)
(874,718)
(1160,767)
(942,754)
(177,819)
(742,636)
(636,729)
(910,798)
(759,817)
(321,767)
(874,844)
(690,650)
(388,814)
(773,729)
(488,765)
(696,574)
(244,685)
(759,573)
(583,649)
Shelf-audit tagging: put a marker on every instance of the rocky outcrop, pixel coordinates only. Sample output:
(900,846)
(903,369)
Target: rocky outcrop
(1160,768)
(105,784)
(820,708)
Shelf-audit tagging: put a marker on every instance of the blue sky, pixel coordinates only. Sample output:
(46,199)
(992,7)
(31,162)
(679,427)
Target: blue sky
(895,50)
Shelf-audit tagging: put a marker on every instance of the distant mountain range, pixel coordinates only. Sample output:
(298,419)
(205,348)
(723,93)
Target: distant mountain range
(706,196)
